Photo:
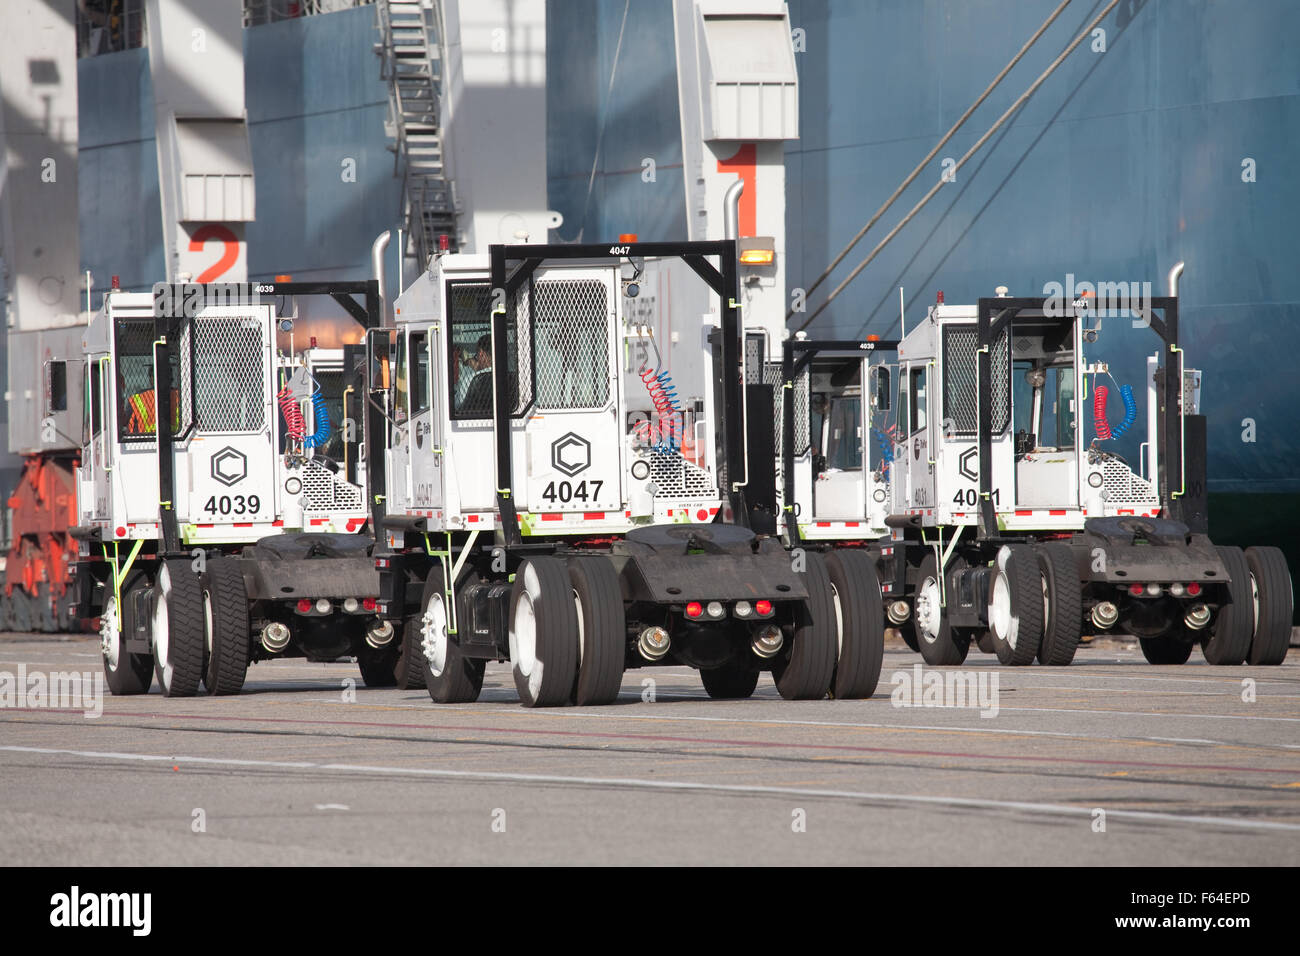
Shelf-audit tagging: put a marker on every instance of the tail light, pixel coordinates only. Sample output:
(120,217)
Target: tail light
(694,609)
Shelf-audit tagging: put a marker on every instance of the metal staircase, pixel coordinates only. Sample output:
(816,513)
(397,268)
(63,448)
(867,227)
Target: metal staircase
(411,51)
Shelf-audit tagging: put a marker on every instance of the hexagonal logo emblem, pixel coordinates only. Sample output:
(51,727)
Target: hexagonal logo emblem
(968,464)
(570,454)
(229,466)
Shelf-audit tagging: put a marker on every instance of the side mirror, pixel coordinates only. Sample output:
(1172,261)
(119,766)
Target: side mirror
(381,350)
(56,387)
(882,390)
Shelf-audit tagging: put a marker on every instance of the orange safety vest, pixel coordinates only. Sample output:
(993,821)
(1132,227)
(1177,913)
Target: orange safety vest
(143,412)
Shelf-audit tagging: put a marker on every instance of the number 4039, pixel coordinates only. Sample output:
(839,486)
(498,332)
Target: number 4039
(233,505)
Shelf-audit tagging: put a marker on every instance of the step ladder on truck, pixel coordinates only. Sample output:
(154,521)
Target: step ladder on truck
(565,481)
(1018,522)
(241,532)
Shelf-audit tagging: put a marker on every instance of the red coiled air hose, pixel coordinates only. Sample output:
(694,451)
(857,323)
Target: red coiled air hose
(1099,412)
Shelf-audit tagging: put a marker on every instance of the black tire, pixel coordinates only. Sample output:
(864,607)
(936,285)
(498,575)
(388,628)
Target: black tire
(908,633)
(226,627)
(126,674)
(47,619)
(379,664)
(1016,605)
(1063,623)
(20,606)
(543,633)
(408,672)
(730,681)
(861,624)
(178,629)
(1166,649)
(804,672)
(940,644)
(602,630)
(449,676)
(984,641)
(1276,603)
(1227,641)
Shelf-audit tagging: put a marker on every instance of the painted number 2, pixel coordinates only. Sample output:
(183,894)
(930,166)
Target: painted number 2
(229,252)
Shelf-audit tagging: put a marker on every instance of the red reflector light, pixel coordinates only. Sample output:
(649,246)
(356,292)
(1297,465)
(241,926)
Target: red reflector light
(369,604)
(694,609)
(763,608)
(1136,589)
(305,605)
(1193,589)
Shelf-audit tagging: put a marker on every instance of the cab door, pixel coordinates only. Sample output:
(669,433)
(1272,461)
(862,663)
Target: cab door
(918,440)
(92,474)
(425,448)
(574,448)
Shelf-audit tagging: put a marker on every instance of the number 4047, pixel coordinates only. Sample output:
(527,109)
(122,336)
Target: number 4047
(564,491)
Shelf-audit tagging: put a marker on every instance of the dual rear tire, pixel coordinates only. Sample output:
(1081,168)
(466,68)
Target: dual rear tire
(567,632)
(805,672)
(860,624)
(225,627)
(178,630)
(1017,605)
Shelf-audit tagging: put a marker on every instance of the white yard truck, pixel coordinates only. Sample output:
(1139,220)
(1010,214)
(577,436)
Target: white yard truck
(223,512)
(1015,513)
(566,479)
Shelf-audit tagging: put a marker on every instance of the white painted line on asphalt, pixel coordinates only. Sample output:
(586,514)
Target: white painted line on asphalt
(632,783)
(851,725)
(1080,674)
(1149,713)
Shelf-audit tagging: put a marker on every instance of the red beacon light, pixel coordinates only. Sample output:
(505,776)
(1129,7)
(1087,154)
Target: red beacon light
(444,242)
(117,284)
(695,609)
(763,608)
(938,297)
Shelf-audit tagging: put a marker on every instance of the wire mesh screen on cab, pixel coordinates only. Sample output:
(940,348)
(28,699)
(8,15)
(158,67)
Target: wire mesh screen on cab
(229,373)
(571,343)
(557,334)
(218,376)
(961,382)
